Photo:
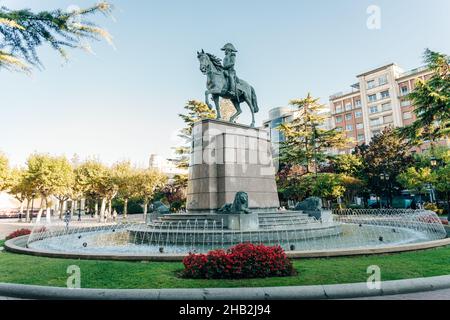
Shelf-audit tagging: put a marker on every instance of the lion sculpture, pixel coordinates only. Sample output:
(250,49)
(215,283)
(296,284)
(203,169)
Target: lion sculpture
(239,205)
(310,204)
(160,207)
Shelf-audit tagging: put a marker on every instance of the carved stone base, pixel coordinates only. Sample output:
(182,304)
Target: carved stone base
(243,222)
(227,158)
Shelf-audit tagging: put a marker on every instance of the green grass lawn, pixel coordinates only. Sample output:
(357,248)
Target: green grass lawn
(16,268)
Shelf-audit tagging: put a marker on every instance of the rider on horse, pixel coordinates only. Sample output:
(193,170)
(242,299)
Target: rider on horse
(228,66)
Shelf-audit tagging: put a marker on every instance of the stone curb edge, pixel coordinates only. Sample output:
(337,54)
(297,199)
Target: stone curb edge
(316,292)
(18,245)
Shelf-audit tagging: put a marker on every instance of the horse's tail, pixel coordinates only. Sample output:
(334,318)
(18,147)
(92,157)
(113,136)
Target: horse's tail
(254,101)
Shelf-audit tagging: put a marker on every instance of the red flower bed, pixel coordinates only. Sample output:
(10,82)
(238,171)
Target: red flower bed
(241,261)
(18,233)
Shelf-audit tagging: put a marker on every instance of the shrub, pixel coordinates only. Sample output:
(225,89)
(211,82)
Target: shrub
(18,233)
(241,261)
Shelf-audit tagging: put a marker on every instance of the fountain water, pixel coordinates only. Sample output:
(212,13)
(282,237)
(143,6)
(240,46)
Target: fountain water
(351,229)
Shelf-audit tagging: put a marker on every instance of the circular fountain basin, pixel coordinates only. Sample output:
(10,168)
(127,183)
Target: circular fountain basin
(348,234)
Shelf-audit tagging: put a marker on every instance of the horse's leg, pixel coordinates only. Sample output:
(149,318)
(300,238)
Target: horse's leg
(238,110)
(207,100)
(248,100)
(216,102)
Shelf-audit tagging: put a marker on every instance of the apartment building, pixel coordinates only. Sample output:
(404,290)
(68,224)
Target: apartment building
(376,101)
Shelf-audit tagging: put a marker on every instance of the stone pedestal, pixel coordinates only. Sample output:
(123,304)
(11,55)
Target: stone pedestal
(227,158)
(243,222)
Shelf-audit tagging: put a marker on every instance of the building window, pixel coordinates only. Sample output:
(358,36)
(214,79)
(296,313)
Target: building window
(371,84)
(404,91)
(358,114)
(373,109)
(376,132)
(348,116)
(339,129)
(338,119)
(359,126)
(405,103)
(386,107)
(382,80)
(407,115)
(388,119)
(338,108)
(348,107)
(358,103)
(385,94)
(375,122)
(349,127)
(372,98)
(361,137)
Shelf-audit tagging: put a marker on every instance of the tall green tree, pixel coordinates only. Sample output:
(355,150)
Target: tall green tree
(431,99)
(23,31)
(306,142)
(384,159)
(194,111)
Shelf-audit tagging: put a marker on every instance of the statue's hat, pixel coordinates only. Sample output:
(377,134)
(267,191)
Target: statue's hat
(229,46)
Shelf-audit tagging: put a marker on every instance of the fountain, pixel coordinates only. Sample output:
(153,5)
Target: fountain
(232,198)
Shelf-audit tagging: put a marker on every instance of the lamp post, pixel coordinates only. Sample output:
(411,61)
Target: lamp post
(434,165)
(385,181)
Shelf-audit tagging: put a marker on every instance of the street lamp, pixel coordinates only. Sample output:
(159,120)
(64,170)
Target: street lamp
(433,162)
(385,178)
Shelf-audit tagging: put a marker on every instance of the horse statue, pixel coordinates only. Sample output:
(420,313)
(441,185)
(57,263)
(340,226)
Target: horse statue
(217,86)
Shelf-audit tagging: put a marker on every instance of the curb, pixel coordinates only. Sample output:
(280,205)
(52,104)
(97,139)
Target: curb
(317,292)
(18,245)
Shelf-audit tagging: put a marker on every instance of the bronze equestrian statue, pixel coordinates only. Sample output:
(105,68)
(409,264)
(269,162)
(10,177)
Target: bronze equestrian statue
(223,82)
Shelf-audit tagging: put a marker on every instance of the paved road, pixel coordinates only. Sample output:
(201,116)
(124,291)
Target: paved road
(429,295)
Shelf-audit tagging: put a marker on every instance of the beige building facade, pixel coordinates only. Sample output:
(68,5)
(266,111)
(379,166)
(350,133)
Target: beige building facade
(376,101)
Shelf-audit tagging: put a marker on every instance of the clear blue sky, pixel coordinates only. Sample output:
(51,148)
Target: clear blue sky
(123,103)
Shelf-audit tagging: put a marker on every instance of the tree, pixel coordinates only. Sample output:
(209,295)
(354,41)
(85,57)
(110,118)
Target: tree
(126,178)
(441,181)
(175,192)
(64,185)
(19,187)
(148,182)
(353,187)
(327,186)
(195,111)
(4,171)
(22,32)
(440,154)
(431,99)
(417,180)
(384,159)
(46,175)
(305,142)
(348,164)
(89,177)
(290,184)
